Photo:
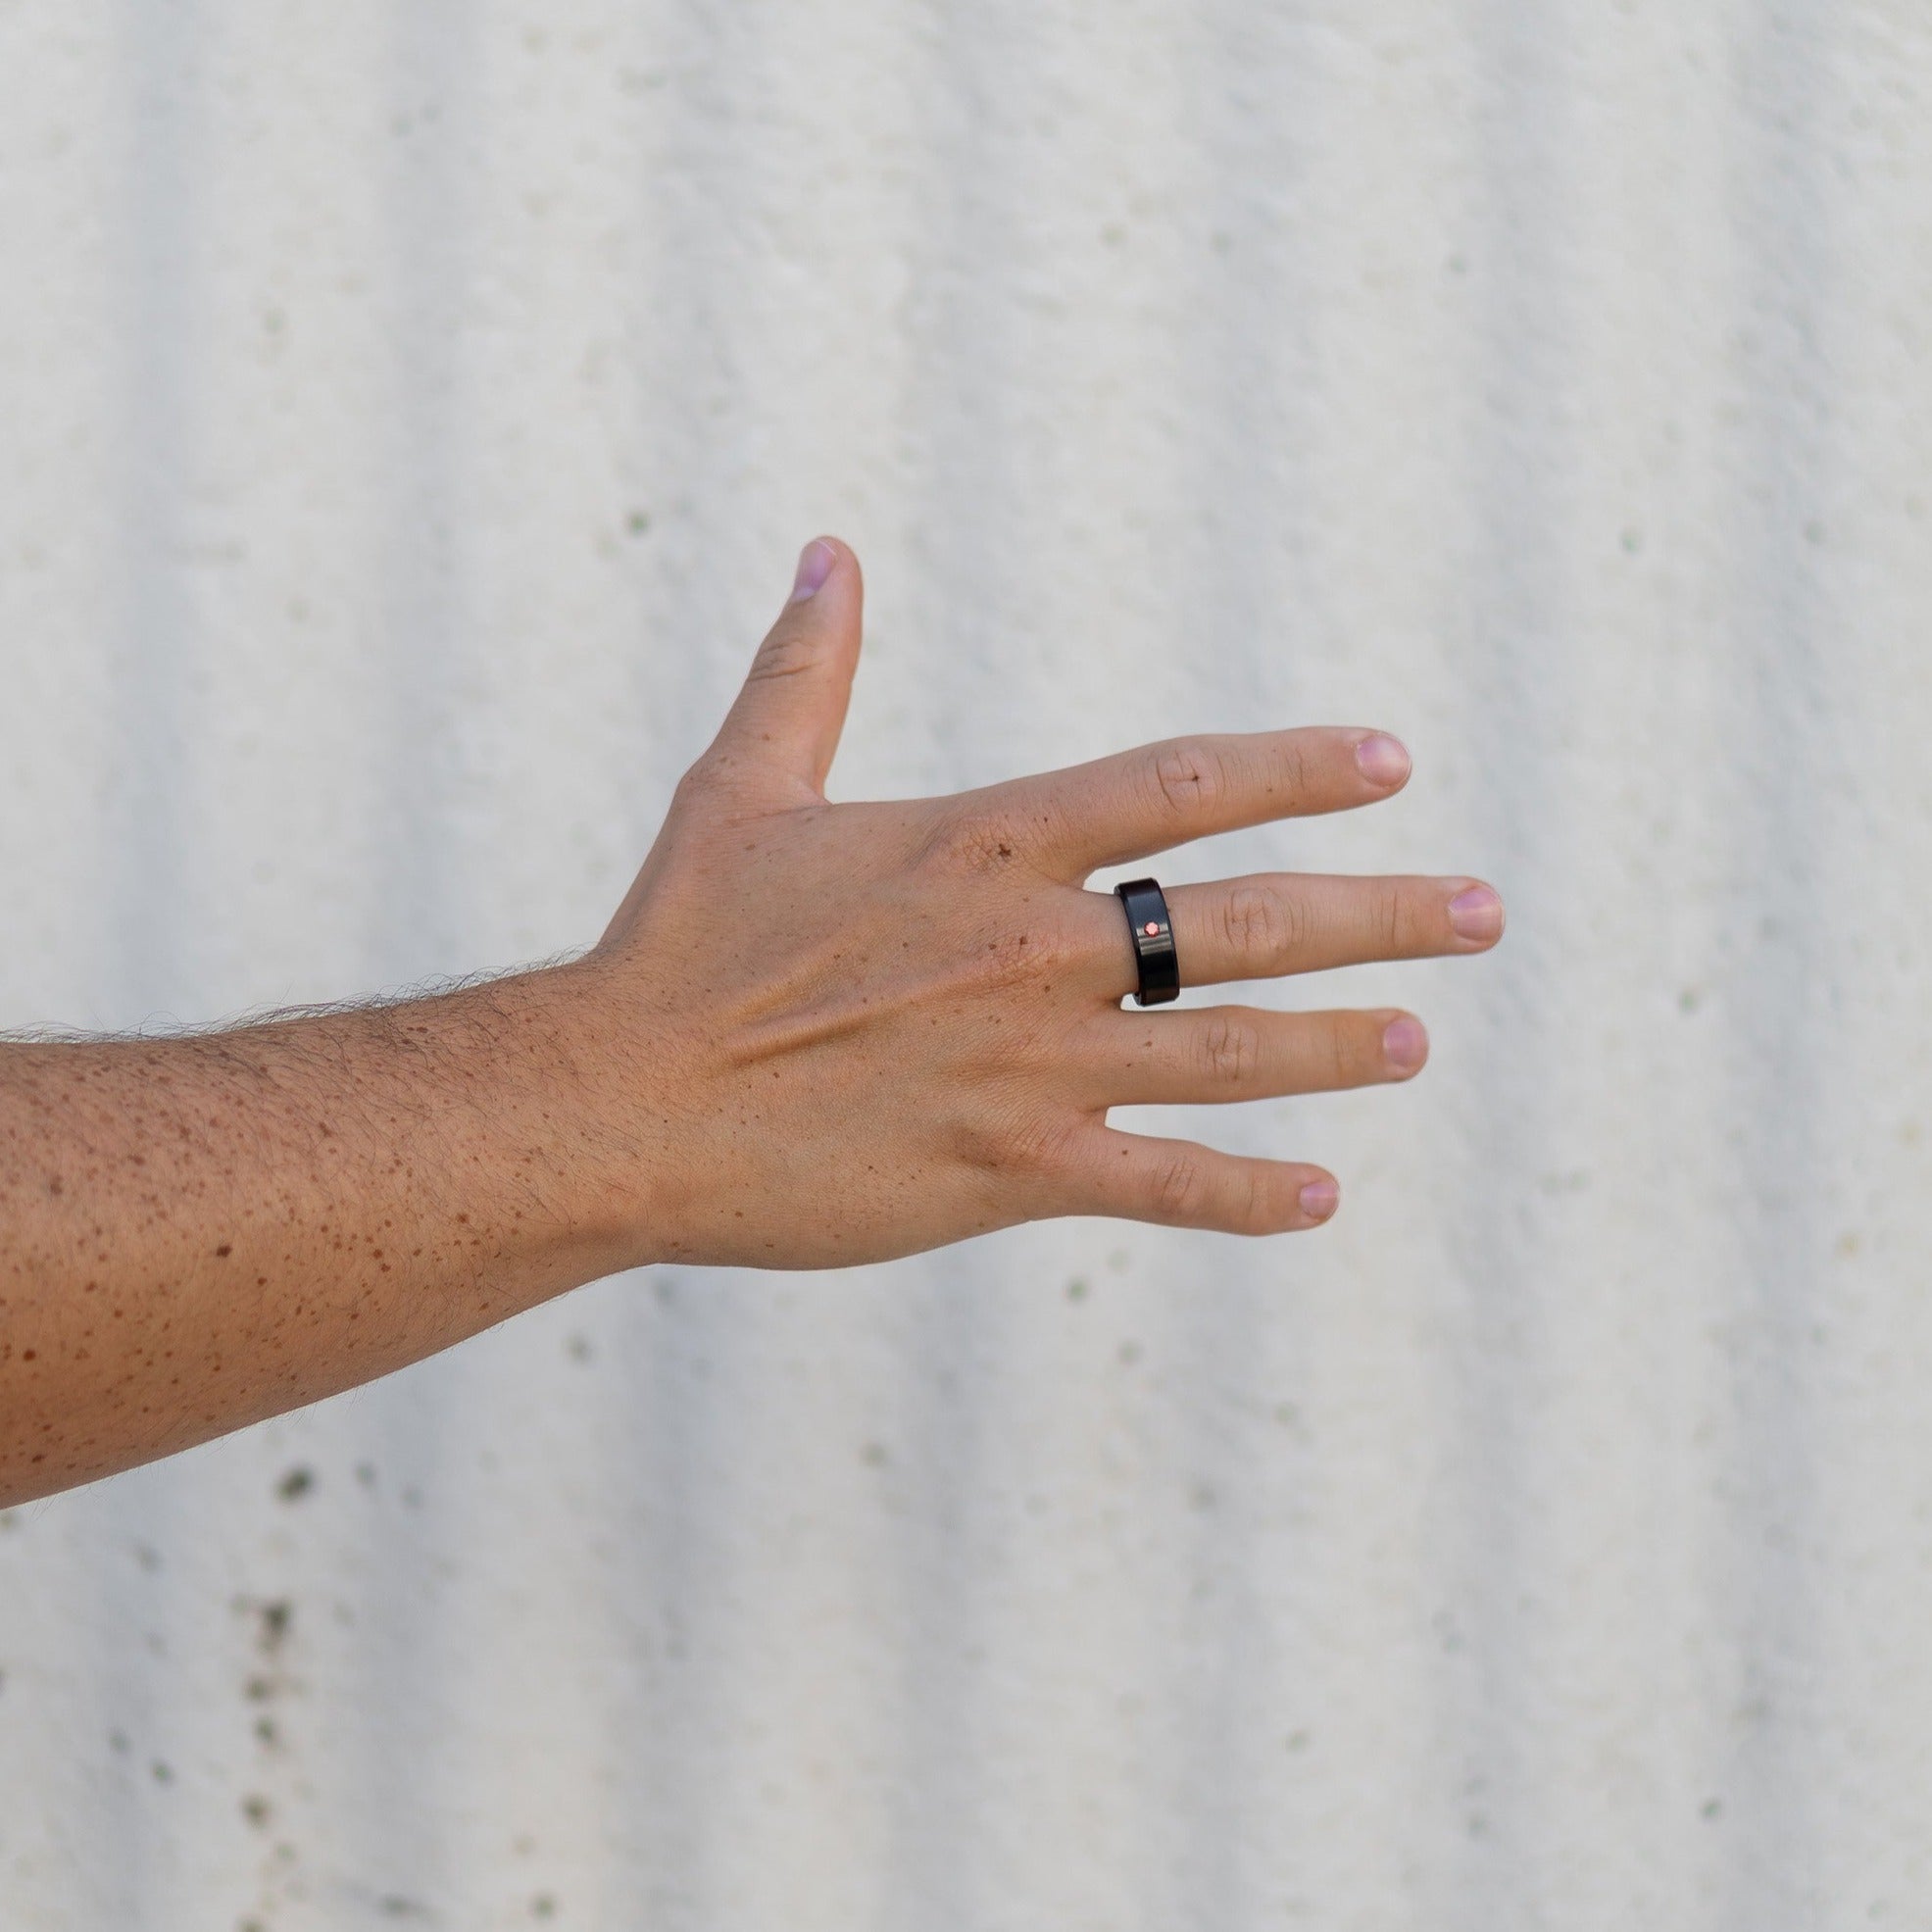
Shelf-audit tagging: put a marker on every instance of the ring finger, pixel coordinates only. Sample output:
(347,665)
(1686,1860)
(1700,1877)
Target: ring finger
(1207,1053)
(1272,923)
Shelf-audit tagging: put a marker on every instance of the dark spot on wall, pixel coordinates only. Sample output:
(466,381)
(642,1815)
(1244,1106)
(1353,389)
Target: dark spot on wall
(1076,1289)
(543,1906)
(275,1620)
(257,1810)
(296,1484)
(162,1772)
(875,1455)
(395,1905)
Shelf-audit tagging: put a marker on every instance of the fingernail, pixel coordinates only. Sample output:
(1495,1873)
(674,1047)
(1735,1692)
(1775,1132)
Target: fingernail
(1405,1043)
(1319,1199)
(815,566)
(1382,760)
(1477,913)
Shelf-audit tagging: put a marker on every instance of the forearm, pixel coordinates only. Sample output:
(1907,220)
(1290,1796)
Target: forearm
(206,1230)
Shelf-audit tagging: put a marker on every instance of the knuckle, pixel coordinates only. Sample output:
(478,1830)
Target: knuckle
(698,787)
(1049,950)
(974,840)
(1288,769)
(786,652)
(1260,1208)
(1345,1055)
(1394,920)
(1048,1161)
(1019,965)
(1230,1050)
(1014,1142)
(721,789)
(1191,777)
(1176,1188)
(1050,1145)
(1260,924)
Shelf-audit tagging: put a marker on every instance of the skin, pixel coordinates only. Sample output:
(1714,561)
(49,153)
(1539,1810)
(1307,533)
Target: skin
(812,1035)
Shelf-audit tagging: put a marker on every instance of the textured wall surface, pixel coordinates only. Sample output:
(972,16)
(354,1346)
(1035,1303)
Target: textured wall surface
(408,418)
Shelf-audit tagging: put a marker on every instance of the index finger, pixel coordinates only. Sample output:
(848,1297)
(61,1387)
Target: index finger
(1114,809)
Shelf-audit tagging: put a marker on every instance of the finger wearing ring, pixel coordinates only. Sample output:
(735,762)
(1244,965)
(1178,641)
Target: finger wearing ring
(1155,961)
(1280,922)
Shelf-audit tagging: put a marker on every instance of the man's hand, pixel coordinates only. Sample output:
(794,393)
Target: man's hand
(814,1034)
(852,1031)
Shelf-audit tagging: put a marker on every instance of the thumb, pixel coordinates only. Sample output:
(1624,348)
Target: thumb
(788,716)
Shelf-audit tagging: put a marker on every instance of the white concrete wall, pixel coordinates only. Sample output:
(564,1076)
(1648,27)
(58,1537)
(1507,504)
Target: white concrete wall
(408,416)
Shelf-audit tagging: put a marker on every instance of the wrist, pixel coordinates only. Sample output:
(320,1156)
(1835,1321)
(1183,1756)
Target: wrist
(571,1120)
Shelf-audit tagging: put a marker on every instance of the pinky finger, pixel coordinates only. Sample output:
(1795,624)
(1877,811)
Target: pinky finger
(1179,1183)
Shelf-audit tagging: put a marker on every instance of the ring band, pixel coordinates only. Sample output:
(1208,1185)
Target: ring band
(1153,941)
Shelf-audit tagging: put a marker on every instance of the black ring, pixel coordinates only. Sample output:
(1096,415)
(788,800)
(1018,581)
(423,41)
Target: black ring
(1153,941)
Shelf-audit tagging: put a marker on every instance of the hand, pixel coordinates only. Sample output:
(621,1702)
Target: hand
(835,1033)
